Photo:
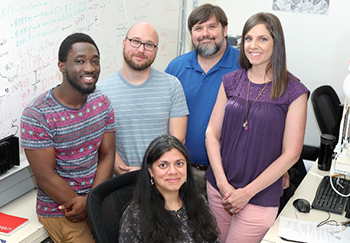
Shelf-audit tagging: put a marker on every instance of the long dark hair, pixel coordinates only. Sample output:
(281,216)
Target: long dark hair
(157,224)
(278,62)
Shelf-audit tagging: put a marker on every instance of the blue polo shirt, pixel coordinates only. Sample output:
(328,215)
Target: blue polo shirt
(201,90)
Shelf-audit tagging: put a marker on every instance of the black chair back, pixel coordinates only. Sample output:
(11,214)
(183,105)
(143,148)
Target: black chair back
(106,204)
(328,109)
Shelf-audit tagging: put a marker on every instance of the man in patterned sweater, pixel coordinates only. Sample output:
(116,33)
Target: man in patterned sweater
(68,135)
(148,103)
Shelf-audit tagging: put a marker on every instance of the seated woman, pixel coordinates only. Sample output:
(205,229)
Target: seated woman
(165,206)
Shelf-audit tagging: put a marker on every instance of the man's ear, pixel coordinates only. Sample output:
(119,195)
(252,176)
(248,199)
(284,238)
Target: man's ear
(62,67)
(124,43)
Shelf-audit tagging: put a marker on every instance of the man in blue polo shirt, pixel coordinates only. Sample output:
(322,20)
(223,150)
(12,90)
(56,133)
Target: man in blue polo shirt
(200,73)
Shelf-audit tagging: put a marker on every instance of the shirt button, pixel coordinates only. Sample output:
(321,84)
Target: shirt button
(203,74)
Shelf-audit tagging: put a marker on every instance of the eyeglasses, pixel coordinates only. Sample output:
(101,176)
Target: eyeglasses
(136,44)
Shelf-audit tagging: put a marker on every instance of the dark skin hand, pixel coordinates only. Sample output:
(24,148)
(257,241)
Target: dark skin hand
(43,162)
(75,209)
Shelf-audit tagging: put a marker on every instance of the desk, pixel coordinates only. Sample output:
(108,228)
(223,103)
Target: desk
(24,206)
(307,190)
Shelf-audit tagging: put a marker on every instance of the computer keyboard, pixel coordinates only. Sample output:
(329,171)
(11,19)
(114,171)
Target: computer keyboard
(327,199)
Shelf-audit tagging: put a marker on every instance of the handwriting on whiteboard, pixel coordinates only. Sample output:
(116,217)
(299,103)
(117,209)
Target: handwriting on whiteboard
(33,30)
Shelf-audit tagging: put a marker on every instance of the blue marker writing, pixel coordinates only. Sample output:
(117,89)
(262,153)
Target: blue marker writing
(4,91)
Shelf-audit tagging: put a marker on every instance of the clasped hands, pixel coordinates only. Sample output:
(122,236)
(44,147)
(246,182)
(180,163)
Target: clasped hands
(75,209)
(234,200)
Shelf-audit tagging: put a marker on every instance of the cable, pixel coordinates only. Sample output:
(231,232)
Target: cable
(338,178)
(327,221)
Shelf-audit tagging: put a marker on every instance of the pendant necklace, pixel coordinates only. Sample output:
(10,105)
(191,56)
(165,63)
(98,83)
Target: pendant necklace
(246,123)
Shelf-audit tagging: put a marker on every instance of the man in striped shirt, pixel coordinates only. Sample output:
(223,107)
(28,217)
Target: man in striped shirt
(147,102)
(68,135)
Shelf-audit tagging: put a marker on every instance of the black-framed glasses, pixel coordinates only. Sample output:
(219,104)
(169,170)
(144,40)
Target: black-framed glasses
(136,44)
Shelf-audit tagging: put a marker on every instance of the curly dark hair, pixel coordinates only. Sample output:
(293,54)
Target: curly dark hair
(157,224)
(67,43)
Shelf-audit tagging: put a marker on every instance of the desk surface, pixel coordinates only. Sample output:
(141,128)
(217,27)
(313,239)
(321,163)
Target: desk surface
(24,206)
(307,190)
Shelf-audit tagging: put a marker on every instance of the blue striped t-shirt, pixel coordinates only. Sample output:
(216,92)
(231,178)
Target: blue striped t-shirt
(142,111)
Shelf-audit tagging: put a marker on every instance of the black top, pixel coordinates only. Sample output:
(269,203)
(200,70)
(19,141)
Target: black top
(130,225)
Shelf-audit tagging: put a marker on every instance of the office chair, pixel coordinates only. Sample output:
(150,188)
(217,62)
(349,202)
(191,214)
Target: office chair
(328,110)
(106,204)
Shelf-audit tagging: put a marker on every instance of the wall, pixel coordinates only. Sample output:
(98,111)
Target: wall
(318,46)
(31,32)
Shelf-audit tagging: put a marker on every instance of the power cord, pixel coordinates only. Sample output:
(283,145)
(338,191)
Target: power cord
(327,221)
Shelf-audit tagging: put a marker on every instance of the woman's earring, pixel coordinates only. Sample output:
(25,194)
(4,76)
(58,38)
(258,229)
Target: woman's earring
(152,182)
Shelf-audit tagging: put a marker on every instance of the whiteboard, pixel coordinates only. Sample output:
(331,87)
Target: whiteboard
(31,32)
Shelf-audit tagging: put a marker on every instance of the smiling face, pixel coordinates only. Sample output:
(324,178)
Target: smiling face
(208,38)
(137,58)
(169,172)
(258,45)
(82,67)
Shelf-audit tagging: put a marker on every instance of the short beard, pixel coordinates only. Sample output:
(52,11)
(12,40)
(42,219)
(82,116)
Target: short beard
(207,51)
(80,89)
(137,67)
